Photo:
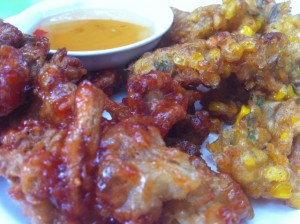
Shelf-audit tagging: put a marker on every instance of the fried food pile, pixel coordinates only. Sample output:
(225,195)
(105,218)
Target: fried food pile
(242,59)
(70,162)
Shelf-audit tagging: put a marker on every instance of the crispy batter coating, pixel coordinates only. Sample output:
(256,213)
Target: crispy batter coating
(281,20)
(232,16)
(54,88)
(14,78)
(252,59)
(260,150)
(10,35)
(132,194)
(51,168)
(21,56)
(157,95)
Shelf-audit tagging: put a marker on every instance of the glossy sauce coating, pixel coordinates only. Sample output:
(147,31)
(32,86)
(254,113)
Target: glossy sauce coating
(93,34)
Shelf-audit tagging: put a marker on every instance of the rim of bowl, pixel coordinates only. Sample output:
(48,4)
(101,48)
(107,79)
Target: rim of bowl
(44,9)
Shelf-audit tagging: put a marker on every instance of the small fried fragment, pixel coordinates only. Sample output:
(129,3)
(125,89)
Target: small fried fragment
(157,95)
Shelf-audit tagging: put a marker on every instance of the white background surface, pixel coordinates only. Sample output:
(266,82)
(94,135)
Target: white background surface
(266,211)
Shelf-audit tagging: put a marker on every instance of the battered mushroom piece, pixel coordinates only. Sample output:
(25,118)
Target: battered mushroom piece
(252,59)
(35,51)
(260,150)
(54,88)
(233,16)
(10,35)
(21,56)
(14,79)
(157,95)
(52,167)
(130,193)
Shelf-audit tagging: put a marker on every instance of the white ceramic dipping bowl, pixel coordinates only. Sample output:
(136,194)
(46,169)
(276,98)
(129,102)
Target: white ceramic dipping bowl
(158,18)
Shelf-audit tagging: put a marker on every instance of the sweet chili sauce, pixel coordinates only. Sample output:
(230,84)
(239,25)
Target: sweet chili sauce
(92,34)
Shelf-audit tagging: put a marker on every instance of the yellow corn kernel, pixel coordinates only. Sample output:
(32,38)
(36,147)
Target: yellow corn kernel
(295,120)
(284,136)
(246,30)
(290,91)
(197,56)
(179,60)
(249,161)
(249,46)
(275,173)
(215,54)
(258,23)
(230,9)
(281,94)
(282,190)
(243,112)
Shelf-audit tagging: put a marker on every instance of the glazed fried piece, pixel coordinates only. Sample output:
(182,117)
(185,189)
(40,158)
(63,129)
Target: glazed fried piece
(260,150)
(157,95)
(35,51)
(132,194)
(14,79)
(281,20)
(21,56)
(203,22)
(54,88)
(253,60)
(52,168)
(10,35)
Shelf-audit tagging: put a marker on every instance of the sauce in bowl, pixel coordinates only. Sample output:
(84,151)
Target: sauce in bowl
(93,34)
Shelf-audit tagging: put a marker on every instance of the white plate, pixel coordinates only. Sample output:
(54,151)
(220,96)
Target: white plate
(266,211)
(132,11)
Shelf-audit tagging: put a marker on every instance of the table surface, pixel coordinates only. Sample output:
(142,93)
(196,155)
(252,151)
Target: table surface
(12,7)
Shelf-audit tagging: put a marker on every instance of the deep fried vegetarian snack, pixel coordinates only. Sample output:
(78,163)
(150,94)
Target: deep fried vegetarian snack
(14,78)
(178,188)
(281,20)
(252,59)
(157,95)
(233,16)
(54,88)
(51,167)
(21,56)
(261,150)
(10,35)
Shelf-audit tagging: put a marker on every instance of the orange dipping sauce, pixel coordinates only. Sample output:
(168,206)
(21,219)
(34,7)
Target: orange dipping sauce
(93,34)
